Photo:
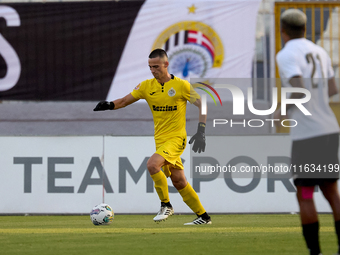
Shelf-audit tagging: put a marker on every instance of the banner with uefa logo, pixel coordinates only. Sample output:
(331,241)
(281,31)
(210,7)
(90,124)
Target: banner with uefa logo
(203,39)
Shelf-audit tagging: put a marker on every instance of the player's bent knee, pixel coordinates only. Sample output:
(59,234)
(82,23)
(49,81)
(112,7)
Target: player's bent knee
(179,183)
(152,167)
(179,186)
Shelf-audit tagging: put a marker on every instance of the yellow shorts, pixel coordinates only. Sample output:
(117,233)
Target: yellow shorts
(171,150)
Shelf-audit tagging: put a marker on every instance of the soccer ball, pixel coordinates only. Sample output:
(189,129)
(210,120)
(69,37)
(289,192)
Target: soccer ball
(102,214)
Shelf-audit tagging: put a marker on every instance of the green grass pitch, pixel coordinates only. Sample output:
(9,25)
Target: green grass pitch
(138,234)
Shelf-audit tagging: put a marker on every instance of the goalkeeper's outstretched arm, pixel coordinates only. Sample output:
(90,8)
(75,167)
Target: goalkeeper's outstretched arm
(116,104)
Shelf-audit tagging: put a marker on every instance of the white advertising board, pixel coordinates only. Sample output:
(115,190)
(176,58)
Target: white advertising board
(57,175)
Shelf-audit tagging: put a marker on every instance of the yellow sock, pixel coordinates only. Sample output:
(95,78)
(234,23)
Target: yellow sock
(161,186)
(190,197)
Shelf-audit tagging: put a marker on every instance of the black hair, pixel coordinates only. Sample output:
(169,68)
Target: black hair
(158,53)
(293,31)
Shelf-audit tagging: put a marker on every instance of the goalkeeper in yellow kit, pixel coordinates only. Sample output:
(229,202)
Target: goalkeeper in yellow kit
(167,97)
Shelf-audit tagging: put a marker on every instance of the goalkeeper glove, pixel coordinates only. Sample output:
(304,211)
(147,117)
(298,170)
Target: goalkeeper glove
(104,105)
(199,139)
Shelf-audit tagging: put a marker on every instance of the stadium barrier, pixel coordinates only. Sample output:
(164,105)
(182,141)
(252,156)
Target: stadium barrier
(65,175)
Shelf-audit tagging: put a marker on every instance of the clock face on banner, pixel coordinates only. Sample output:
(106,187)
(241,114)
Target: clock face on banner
(193,49)
(189,61)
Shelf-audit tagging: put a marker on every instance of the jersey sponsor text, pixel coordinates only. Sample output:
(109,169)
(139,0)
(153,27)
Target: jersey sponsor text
(165,108)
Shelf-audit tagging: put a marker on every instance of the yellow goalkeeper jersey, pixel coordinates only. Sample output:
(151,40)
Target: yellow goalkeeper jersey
(168,105)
